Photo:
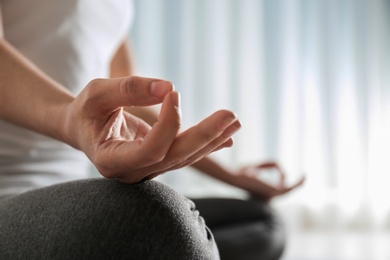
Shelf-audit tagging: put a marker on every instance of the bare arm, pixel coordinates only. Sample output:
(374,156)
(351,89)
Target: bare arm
(122,64)
(28,97)
(23,90)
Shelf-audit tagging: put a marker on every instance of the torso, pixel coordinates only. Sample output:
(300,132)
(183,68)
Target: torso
(73,42)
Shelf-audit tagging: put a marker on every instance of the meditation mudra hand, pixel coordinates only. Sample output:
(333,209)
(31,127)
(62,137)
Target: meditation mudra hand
(248,179)
(123,146)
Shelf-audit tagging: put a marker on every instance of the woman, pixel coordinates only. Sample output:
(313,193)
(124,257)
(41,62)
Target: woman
(49,51)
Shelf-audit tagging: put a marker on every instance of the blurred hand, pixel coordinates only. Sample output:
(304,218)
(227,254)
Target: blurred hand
(248,178)
(125,147)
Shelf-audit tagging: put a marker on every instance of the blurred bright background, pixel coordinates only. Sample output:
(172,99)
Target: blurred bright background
(310,81)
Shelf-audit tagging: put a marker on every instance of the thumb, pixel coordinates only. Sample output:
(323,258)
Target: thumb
(110,94)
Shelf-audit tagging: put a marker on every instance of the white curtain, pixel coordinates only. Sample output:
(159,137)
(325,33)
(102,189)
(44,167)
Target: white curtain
(310,81)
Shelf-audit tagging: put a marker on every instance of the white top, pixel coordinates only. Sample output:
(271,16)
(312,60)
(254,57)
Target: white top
(73,41)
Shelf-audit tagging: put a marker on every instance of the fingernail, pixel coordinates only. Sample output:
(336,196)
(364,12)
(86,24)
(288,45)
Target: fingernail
(227,122)
(176,99)
(160,88)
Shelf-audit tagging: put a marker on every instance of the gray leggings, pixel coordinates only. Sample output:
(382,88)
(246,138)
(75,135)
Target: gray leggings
(104,219)
(243,230)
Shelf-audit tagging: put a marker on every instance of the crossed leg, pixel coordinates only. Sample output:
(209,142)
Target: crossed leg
(103,219)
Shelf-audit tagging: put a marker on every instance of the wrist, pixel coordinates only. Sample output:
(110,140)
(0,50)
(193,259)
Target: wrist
(214,169)
(66,132)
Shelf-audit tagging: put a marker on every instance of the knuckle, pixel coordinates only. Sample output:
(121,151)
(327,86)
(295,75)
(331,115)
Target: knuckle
(125,86)
(129,87)
(207,137)
(131,82)
(91,93)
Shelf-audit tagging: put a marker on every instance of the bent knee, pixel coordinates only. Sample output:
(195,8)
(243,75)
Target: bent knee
(100,217)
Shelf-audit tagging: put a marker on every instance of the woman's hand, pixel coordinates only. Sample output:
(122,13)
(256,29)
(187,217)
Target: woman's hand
(248,178)
(125,147)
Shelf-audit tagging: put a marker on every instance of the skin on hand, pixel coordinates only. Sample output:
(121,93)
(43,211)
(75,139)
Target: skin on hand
(248,179)
(122,64)
(123,146)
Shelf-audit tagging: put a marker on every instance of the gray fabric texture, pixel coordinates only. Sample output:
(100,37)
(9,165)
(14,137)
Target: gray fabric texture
(103,219)
(243,230)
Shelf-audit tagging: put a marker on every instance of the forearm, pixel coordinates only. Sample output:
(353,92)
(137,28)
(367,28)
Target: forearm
(214,169)
(122,63)
(28,97)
